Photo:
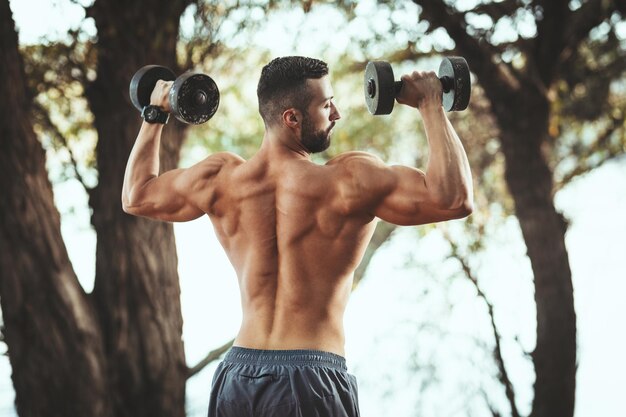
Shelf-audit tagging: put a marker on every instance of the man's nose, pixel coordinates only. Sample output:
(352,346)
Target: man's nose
(335,115)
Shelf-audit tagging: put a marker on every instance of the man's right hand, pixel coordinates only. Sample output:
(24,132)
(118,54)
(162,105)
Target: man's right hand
(421,89)
(160,95)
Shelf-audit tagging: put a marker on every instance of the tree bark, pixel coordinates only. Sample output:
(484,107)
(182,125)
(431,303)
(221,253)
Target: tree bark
(50,328)
(136,289)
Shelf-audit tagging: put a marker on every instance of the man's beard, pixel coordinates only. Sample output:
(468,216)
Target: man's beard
(315,141)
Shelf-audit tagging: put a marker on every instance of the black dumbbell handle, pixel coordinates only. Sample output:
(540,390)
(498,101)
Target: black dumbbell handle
(447,83)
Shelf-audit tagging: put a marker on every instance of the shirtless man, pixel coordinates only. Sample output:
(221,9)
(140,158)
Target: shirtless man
(295,231)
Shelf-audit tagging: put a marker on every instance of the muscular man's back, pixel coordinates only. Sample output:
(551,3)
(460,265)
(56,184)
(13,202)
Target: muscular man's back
(296,231)
(294,245)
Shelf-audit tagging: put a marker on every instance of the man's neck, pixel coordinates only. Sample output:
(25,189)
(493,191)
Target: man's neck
(280,145)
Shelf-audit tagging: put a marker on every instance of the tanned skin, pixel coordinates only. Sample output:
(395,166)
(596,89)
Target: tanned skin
(295,231)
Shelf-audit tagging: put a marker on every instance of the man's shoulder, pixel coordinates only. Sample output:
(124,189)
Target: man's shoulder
(225,157)
(354,158)
(216,163)
(355,169)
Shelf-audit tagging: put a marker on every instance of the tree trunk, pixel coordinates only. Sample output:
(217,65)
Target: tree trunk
(120,351)
(136,290)
(50,328)
(530,182)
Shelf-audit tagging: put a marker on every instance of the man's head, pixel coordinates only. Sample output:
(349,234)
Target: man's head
(297,87)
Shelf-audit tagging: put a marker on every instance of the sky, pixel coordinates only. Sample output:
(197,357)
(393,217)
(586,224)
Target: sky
(388,320)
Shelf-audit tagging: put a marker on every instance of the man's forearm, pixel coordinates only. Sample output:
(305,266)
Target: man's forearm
(448,175)
(143,162)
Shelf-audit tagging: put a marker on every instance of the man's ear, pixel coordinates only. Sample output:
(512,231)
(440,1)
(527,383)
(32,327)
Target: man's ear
(292,118)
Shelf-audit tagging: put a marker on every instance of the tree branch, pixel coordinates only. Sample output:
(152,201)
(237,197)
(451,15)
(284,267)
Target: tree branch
(409,53)
(587,17)
(482,57)
(43,117)
(498,10)
(210,357)
(494,412)
(550,16)
(599,144)
(497,350)
(381,235)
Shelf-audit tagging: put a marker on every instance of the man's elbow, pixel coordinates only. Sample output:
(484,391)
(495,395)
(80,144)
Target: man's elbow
(463,201)
(129,208)
(131,205)
(461,207)
(135,198)
(467,207)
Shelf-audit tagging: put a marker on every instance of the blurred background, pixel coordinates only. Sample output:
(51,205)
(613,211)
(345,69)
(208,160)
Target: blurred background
(514,311)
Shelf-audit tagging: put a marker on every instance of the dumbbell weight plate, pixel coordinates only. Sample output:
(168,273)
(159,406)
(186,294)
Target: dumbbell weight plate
(457,98)
(194,98)
(143,82)
(379,87)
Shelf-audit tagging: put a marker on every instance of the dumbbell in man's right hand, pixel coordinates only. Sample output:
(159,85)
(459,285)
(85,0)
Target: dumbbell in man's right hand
(192,97)
(420,90)
(161,95)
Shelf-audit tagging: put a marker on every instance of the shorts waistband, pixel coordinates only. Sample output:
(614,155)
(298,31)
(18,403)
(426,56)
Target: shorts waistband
(299,357)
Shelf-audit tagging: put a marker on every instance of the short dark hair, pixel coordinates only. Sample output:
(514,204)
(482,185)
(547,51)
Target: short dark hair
(283,85)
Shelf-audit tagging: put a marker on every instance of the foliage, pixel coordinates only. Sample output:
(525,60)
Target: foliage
(588,122)
(588,102)
(57,74)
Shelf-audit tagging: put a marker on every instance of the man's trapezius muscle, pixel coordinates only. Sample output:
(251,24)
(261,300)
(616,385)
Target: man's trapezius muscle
(295,231)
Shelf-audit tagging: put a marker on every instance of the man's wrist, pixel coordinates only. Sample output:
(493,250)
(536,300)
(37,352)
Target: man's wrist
(430,107)
(154,114)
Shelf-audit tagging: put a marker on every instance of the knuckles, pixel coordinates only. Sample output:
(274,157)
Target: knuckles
(420,75)
(418,86)
(160,93)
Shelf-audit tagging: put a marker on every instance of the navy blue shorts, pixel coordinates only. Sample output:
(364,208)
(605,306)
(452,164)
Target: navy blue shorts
(283,383)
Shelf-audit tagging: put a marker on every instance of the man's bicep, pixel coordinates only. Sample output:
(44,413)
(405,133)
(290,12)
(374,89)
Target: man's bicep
(164,198)
(178,195)
(409,202)
(404,198)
